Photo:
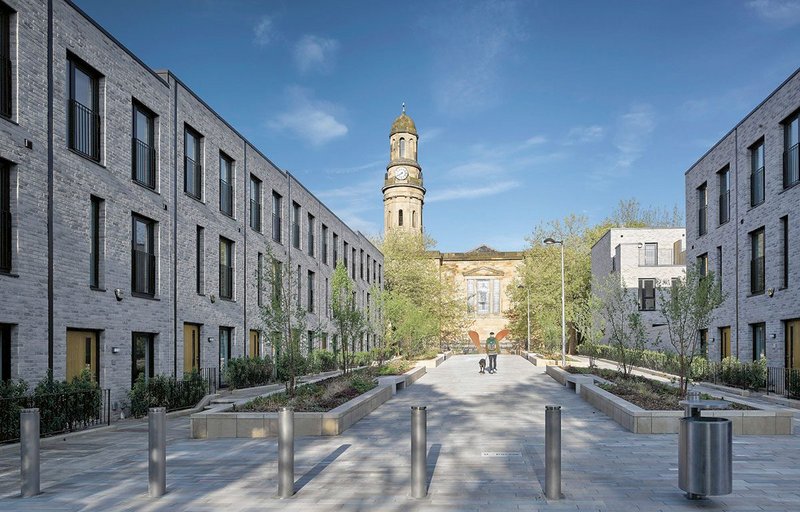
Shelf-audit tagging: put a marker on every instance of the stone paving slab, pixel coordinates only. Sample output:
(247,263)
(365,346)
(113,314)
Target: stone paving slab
(605,468)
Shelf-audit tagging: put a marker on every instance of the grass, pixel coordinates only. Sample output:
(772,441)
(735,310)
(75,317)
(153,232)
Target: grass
(395,367)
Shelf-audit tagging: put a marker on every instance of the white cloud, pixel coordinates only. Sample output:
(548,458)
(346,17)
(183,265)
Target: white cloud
(534,141)
(313,53)
(357,204)
(471,192)
(264,31)
(633,133)
(584,134)
(310,119)
(780,12)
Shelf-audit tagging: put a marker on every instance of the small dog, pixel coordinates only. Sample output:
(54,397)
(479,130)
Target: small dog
(482,364)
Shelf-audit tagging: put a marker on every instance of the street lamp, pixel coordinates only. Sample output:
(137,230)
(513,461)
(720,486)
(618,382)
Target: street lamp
(551,241)
(528,341)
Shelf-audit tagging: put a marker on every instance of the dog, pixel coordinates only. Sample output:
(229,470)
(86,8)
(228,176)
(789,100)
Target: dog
(482,364)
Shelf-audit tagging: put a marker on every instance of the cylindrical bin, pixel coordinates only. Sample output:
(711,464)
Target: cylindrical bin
(705,456)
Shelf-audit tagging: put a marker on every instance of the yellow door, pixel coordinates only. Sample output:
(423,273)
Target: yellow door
(191,347)
(793,344)
(725,342)
(255,346)
(81,353)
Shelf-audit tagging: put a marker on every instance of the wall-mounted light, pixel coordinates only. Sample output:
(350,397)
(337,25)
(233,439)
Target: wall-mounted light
(213,298)
(115,350)
(211,339)
(118,293)
(773,335)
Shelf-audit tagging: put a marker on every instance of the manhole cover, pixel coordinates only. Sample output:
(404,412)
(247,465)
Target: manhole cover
(501,454)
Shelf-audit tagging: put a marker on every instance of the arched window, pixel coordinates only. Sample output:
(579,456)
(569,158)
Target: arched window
(413,218)
(402,148)
(400,218)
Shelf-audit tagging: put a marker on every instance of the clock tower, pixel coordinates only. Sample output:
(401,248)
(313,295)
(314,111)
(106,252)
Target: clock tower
(403,190)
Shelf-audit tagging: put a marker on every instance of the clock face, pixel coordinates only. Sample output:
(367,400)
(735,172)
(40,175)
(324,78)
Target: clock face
(401,173)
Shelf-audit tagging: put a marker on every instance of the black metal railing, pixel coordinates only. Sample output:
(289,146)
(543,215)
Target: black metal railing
(784,381)
(225,197)
(701,220)
(757,275)
(757,187)
(791,166)
(84,130)
(144,272)
(5,86)
(255,215)
(5,241)
(276,228)
(724,207)
(210,375)
(144,163)
(225,282)
(58,412)
(193,178)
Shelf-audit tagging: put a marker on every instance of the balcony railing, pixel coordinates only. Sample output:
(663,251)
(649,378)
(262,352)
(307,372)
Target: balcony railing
(757,275)
(5,86)
(193,178)
(225,197)
(276,228)
(255,215)
(757,187)
(791,166)
(84,130)
(661,258)
(5,241)
(724,207)
(225,282)
(144,163)
(701,220)
(144,272)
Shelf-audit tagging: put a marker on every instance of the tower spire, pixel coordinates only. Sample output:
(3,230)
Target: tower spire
(404,107)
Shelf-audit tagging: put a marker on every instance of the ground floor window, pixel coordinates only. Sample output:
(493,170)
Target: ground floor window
(225,336)
(759,341)
(5,352)
(142,356)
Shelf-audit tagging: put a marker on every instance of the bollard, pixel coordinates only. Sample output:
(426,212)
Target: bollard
(29,451)
(419,449)
(552,451)
(285,452)
(157,448)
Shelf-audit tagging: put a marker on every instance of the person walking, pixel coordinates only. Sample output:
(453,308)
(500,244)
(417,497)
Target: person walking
(492,349)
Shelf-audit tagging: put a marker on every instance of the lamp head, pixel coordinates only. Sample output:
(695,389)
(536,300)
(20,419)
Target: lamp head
(550,241)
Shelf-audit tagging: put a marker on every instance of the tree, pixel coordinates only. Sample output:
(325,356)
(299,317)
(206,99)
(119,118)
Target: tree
(619,307)
(586,313)
(348,319)
(687,306)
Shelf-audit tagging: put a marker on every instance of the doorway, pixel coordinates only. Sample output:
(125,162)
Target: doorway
(225,334)
(82,351)
(254,350)
(191,347)
(725,342)
(792,343)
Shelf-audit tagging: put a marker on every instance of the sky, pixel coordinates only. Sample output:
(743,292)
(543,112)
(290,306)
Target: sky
(527,111)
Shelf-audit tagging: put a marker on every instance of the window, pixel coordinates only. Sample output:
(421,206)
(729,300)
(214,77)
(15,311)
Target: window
(335,249)
(299,286)
(276,217)
(361,264)
(353,264)
(759,340)
(651,254)
(193,163)
(724,195)
(83,109)
(327,299)
(225,268)
(226,174)
(143,150)
(310,235)
(757,173)
(310,294)
(255,203)
(400,218)
(374,269)
(402,147)
(225,337)
(647,294)
(719,267)
(144,258)
(414,218)
(200,259)
(5,217)
(702,265)
(380,274)
(702,205)
(5,352)
(368,260)
(483,296)
(757,261)
(785,244)
(260,280)
(344,256)
(324,249)
(142,357)
(6,75)
(96,242)
(295,225)
(791,159)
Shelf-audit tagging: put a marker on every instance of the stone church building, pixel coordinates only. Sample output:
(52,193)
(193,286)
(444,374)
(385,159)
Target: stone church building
(483,275)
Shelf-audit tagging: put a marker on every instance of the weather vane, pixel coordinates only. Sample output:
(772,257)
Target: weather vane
(404,107)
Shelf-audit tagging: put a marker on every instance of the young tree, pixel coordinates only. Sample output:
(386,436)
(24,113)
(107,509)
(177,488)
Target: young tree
(620,310)
(687,306)
(586,320)
(349,320)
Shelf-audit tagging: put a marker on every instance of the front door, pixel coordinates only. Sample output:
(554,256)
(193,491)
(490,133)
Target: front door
(81,353)
(255,346)
(793,343)
(224,351)
(725,342)
(191,347)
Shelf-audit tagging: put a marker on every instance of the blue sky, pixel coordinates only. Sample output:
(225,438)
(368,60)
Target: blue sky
(527,110)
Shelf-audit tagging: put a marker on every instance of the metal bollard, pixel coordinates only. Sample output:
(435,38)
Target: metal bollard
(157,451)
(419,449)
(552,451)
(285,452)
(29,451)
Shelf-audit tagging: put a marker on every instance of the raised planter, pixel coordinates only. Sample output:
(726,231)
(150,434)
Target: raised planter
(220,422)
(539,360)
(764,421)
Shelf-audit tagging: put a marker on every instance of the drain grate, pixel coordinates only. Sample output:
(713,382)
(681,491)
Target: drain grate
(501,454)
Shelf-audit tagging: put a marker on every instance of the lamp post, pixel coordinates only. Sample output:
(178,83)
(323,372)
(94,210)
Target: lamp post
(528,295)
(551,241)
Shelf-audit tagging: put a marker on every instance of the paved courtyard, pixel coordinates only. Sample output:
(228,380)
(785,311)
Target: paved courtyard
(472,418)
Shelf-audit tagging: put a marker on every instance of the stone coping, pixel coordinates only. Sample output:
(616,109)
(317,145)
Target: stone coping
(221,422)
(539,360)
(763,421)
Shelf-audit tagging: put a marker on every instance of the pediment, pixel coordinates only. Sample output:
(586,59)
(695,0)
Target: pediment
(483,271)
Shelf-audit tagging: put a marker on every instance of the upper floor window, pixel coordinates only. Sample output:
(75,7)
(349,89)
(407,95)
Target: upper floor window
(402,148)
(225,268)
(276,216)
(144,151)
(295,225)
(785,251)
(143,273)
(791,159)
(757,266)
(255,203)
(483,296)
(702,207)
(757,173)
(324,249)
(724,195)
(702,265)
(225,184)
(84,109)
(400,218)
(651,254)
(335,249)
(193,163)
(310,292)
(5,217)
(96,241)
(647,294)
(353,264)
(6,88)
(310,235)
(368,260)
(361,264)
(260,280)
(344,255)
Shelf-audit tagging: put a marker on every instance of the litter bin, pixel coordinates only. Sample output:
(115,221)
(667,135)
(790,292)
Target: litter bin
(705,446)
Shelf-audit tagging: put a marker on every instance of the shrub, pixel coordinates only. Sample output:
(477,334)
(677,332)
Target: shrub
(163,391)
(733,372)
(793,383)
(285,364)
(246,372)
(361,382)
(362,359)
(395,367)
(322,361)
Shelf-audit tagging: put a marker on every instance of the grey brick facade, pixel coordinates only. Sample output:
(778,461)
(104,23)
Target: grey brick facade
(47,292)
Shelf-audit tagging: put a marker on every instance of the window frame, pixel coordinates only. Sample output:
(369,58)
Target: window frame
(96,205)
(228,267)
(757,175)
(785,250)
(296,211)
(149,363)
(277,217)
(310,291)
(255,203)
(310,242)
(93,149)
(150,226)
(140,147)
(791,152)
(757,279)
(6,63)
(724,204)
(755,329)
(230,165)
(6,219)
(644,299)
(196,159)
(702,209)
